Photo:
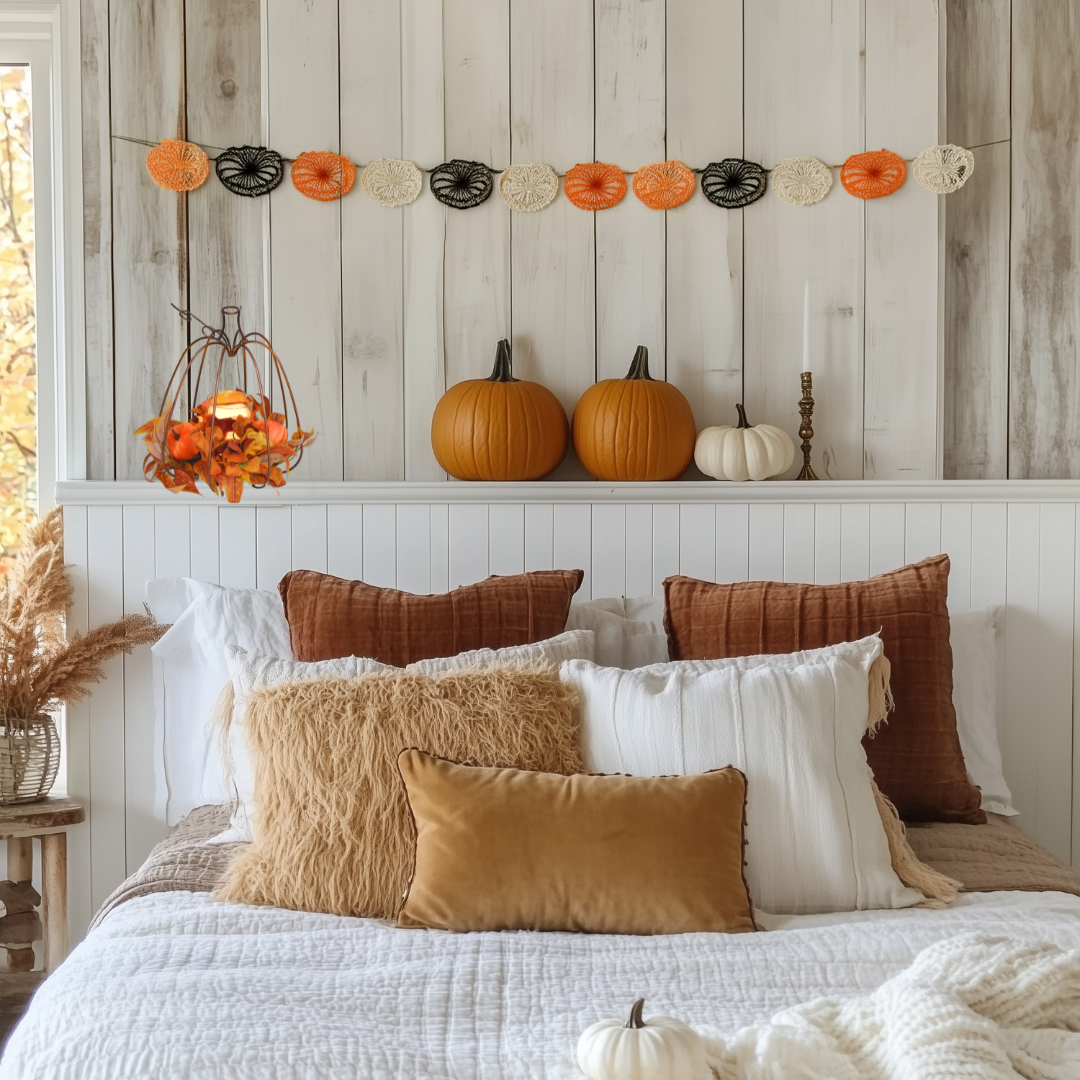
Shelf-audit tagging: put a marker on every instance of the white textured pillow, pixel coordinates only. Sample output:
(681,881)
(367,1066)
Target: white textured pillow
(189,671)
(629,632)
(973,636)
(250,672)
(794,725)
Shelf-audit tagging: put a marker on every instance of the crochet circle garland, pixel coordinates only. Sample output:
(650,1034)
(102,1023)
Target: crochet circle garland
(249,170)
(461,184)
(801,181)
(943,169)
(176,165)
(664,184)
(873,175)
(592,185)
(530,187)
(733,182)
(391,182)
(323,176)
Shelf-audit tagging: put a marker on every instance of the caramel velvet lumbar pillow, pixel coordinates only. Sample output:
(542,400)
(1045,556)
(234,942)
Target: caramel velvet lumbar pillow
(335,834)
(331,617)
(502,849)
(916,757)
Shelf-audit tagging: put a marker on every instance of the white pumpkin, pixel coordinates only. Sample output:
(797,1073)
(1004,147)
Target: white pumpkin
(662,1049)
(744,452)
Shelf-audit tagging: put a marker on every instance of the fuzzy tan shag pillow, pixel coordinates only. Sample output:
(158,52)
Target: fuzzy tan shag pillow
(335,831)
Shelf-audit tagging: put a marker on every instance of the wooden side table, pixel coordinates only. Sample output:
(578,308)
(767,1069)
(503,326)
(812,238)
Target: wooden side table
(20,926)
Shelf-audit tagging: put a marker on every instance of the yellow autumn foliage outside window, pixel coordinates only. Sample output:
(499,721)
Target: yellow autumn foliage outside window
(18,369)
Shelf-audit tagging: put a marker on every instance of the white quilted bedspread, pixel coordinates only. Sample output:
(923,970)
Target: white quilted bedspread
(178,986)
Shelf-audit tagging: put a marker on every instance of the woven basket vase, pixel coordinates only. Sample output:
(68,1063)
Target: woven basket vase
(29,758)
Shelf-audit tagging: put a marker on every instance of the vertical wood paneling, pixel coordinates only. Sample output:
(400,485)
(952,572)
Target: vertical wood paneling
(732,542)
(704,245)
(552,256)
(609,544)
(815,109)
(697,541)
(665,545)
(237,541)
(903,241)
(506,539)
(571,547)
(224,105)
(149,233)
(630,238)
(97,237)
(305,235)
(142,830)
(440,548)
(1044,402)
(204,538)
(468,543)
(799,543)
(273,545)
(854,541)
(309,538)
(477,255)
(107,754)
(422,141)
(989,545)
(371,246)
(976,271)
(345,542)
(413,555)
(639,550)
(827,525)
(380,545)
(1057,560)
(922,531)
(887,537)
(956,543)
(977,71)
(539,525)
(172,542)
(766,542)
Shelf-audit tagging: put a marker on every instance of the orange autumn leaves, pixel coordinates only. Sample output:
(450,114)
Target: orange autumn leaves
(232,439)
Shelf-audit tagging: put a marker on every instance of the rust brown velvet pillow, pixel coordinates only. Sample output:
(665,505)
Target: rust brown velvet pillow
(331,617)
(504,849)
(916,756)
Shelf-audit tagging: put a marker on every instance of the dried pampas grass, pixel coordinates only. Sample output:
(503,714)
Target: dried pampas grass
(39,668)
(334,832)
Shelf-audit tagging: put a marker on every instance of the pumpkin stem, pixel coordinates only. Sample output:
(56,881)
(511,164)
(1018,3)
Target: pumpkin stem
(639,369)
(743,422)
(502,371)
(635,1020)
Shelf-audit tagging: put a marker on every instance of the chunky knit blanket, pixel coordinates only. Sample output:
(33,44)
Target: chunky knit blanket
(973,1006)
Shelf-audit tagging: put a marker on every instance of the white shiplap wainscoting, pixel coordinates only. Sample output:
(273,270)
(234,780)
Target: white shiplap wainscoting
(1010,543)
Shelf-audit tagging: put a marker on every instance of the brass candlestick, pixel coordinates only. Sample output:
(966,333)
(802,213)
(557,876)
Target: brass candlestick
(806,428)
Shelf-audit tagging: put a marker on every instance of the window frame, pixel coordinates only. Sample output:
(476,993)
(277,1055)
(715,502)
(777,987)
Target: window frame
(45,34)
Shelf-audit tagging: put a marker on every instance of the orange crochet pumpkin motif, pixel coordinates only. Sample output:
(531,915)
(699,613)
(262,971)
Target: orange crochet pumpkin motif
(594,185)
(664,185)
(321,175)
(176,165)
(873,174)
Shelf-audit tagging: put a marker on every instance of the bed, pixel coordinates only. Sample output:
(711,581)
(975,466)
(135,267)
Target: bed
(171,983)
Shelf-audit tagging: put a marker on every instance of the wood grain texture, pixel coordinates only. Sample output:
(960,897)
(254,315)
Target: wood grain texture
(371,247)
(804,95)
(976,357)
(1044,416)
(149,252)
(305,235)
(97,238)
(977,71)
(54,899)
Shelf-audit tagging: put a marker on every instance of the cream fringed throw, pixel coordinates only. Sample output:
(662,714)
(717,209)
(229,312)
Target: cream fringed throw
(969,1007)
(335,833)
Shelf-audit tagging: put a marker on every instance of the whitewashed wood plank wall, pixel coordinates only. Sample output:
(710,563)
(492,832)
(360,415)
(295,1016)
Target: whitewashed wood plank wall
(376,311)
(1010,544)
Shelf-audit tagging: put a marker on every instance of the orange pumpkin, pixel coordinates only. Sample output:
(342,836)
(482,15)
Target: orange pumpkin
(637,428)
(500,428)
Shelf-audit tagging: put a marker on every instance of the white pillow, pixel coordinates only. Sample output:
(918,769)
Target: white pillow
(794,725)
(189,671)
(629,633)
(974,647)
(250,672)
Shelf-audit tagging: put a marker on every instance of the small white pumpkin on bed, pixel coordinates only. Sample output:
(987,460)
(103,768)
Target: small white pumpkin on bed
(746,452)
(661,1049)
